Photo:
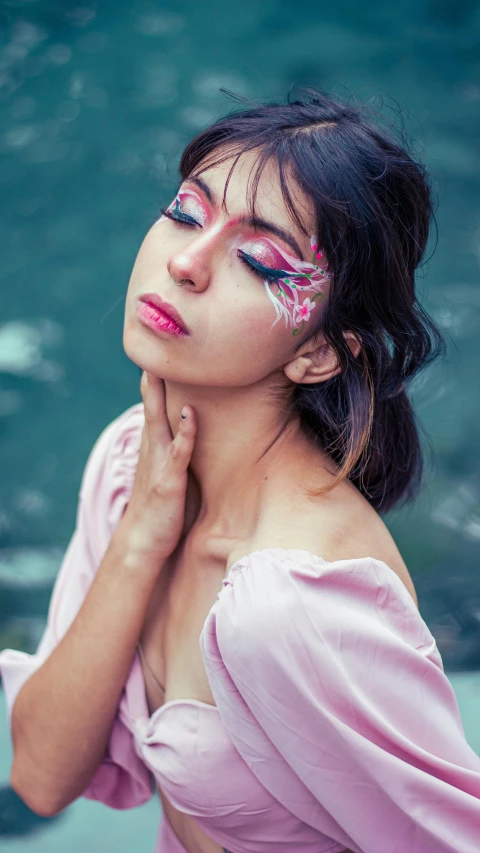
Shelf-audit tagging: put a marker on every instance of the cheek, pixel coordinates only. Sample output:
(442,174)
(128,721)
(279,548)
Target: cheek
(247,311)
(244,329)
(151,254)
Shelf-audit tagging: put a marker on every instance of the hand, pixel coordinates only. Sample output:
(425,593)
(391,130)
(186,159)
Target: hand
(155,513)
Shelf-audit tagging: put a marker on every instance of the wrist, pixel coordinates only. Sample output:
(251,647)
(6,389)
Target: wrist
(135,550)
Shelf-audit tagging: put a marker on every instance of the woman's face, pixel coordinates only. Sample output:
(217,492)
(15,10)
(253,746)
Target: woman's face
(248,292)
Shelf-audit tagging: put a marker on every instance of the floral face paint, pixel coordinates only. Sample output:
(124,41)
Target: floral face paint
(187,207)
(293,277)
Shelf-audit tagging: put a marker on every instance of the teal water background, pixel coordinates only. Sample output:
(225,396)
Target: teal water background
(96,102)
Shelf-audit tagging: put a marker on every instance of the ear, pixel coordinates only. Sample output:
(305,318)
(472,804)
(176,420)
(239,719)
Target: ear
(319,363)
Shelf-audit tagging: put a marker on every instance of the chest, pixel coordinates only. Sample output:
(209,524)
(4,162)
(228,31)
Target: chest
(171,659)
(172,662)
(170,641)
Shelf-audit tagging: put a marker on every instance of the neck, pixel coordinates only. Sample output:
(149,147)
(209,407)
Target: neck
(243,440)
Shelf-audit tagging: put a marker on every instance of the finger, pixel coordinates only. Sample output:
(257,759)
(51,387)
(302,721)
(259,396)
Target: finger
(152,389)
(181,448)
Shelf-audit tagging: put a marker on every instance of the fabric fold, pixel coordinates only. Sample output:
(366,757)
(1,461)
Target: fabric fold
(357,728)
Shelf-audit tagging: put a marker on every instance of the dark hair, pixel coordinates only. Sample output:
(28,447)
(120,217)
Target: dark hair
(373,210)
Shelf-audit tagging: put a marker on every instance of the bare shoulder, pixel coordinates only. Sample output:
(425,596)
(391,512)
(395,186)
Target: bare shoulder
(341,526)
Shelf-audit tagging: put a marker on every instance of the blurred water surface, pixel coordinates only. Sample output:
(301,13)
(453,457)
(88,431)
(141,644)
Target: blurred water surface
(96,103)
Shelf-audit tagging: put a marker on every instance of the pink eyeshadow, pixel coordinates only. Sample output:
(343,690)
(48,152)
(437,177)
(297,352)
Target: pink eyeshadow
(191,205)
(263,253)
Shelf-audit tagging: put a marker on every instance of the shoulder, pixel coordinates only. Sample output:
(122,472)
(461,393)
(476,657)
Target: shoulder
(293,605)
(289,577)
(341,527)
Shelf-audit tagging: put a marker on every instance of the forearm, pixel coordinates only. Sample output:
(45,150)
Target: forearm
(63,715)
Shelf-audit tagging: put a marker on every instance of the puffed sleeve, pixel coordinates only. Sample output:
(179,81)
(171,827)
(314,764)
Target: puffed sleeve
(332,688)
(122,780)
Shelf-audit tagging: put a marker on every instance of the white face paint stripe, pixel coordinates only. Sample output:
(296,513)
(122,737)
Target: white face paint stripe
(301,277)
(286,302)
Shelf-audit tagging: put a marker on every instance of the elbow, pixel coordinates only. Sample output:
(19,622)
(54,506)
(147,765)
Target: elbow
(39,798)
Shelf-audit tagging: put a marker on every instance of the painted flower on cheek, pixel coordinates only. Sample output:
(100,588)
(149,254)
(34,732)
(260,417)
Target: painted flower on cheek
(303,311)
(297,279)
(299,284)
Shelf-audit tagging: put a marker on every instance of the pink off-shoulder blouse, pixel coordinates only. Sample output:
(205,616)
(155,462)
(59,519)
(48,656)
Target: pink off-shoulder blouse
(335,725)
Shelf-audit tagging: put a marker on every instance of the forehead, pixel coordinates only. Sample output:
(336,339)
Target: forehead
(243,184)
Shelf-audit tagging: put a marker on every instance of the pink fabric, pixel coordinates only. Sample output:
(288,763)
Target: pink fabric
(335,725)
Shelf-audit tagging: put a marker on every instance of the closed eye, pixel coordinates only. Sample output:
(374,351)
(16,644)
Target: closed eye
(262,272)
(178,216)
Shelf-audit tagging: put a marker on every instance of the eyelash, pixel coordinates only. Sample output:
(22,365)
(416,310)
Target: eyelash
(258,269)
(188,220)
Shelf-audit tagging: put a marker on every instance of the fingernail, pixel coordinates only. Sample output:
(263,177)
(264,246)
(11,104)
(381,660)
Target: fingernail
(184,413)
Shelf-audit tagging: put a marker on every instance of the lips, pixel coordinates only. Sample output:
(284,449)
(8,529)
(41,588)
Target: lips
(165,308)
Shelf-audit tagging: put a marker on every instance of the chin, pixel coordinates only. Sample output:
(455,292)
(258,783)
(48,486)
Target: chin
(139,349)
(148,354)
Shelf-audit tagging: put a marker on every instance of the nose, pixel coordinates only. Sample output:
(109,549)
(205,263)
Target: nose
(191,263)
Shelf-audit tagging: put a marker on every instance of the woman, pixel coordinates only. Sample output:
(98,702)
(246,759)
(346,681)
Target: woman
(233,623)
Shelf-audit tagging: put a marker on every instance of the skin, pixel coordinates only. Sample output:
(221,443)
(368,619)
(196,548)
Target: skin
(248,468)
(293,286)
(250,464)
(236,357)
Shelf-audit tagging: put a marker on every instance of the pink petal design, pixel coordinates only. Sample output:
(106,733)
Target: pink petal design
(304,310)
(293,265)
(300,276)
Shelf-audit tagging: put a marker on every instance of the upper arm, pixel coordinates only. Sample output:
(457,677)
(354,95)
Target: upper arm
(333,668)
(121,779)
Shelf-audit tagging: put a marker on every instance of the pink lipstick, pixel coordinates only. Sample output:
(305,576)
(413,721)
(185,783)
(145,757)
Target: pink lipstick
(160,316)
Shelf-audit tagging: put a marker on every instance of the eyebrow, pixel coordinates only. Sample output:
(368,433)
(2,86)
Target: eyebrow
(252,221)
